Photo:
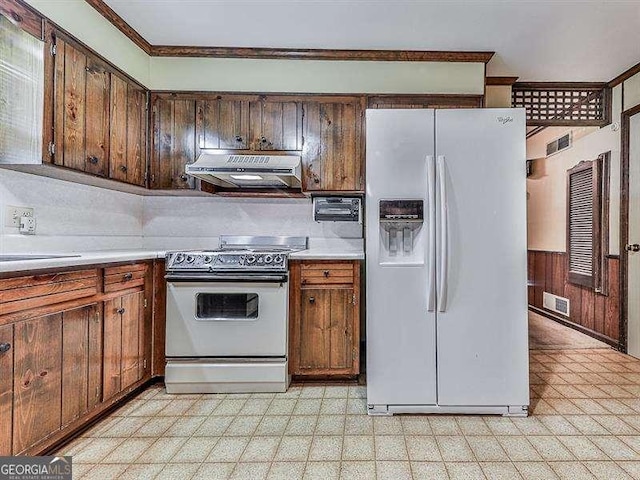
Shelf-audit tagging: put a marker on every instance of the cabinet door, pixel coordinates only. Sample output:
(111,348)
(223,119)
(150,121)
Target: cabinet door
(223,123)
(332,150)
(275,125)
(81,110)
(315,338)
(94,380)
(97,118)
(173,143)
(132,325)
(37,380)
(111,368)
(128,147)
(6,389)
(75,362)
(341,329)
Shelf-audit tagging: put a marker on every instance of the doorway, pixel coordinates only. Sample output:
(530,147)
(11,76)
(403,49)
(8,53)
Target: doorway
(573,255)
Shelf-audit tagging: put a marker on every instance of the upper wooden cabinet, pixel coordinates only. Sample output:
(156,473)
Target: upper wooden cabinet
(275,124)
(97,117)
(223,122)
(333,151)
(128,145)
(173,141)
(248,122)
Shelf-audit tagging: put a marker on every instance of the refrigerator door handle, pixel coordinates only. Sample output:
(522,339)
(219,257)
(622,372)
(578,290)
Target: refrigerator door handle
(444,234)
(431,199)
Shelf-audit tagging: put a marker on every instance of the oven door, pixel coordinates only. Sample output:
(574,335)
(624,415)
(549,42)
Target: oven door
(227,319)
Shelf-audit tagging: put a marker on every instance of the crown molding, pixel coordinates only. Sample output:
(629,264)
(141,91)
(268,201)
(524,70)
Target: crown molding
(283,53)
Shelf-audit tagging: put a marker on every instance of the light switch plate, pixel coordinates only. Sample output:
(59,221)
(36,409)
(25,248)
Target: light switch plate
(12,215)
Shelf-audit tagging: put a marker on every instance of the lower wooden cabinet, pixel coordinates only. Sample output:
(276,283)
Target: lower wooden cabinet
(124,352)
(37,379)
(6,389)
(324,318)
(64,359)
(81,362)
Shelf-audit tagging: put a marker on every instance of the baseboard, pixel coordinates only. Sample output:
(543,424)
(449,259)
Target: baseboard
(575,326)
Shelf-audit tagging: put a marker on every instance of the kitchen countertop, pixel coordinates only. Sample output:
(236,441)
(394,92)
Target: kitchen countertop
(328,253)
(114,256)
(86,258)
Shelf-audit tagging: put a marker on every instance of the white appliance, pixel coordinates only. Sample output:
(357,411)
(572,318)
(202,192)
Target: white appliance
(446,262)
(227,316)
(247,171)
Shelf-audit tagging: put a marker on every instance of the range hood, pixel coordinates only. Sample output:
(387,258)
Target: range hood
(247,170)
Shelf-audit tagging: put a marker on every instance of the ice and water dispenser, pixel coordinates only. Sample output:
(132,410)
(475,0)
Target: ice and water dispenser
(401,233)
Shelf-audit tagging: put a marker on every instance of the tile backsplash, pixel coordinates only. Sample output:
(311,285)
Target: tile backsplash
(73,218)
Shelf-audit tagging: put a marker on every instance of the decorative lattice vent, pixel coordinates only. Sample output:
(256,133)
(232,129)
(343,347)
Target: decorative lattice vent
(563,104)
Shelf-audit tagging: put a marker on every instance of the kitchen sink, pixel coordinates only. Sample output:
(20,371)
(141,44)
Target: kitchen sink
(21,258)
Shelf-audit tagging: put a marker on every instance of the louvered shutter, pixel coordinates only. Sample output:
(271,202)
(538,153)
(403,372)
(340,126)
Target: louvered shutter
(583,223)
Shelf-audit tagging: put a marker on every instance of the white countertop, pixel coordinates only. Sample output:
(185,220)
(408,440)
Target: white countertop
(321,252)
(328,253)
(86,258)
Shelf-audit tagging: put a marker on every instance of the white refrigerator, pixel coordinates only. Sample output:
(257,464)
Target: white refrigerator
(446,262)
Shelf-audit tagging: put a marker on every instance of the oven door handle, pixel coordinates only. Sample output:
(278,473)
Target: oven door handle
(228,278)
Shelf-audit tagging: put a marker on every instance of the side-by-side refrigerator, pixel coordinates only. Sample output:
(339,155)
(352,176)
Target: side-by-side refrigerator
(446,253)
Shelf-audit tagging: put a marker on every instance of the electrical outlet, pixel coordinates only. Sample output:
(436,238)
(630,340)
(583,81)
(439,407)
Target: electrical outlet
(12,215)
(27,226)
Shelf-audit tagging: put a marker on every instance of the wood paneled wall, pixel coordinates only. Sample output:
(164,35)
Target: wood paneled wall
(593,313)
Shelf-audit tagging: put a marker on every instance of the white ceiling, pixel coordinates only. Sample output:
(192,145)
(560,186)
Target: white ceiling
(537,40)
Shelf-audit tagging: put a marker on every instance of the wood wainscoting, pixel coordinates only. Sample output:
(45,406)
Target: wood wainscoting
(595,314)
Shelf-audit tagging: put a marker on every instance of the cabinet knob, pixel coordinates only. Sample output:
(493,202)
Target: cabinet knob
(123,168)
(316,179)
(312,299)
(326,273)
(238,138)
(263,140)
(92,159)
(184,177)
(120,311)
(5,347)
(127,276)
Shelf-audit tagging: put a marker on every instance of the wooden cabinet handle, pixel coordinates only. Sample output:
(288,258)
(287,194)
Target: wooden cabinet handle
(120,311)
(123,168)
(312,299)
(5,347)
(92,159)
(127,276)
(326,273)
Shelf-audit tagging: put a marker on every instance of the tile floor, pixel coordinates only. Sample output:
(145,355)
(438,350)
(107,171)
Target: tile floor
(585,424)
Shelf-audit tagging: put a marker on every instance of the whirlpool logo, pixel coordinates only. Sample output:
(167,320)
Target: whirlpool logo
(505,120)
(35,468)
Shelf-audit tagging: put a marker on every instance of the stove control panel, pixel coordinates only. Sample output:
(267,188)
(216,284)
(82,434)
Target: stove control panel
(224,261)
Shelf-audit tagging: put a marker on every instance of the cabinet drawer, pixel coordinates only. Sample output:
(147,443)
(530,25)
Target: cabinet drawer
(124,277)
(327,273)
(24,293)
